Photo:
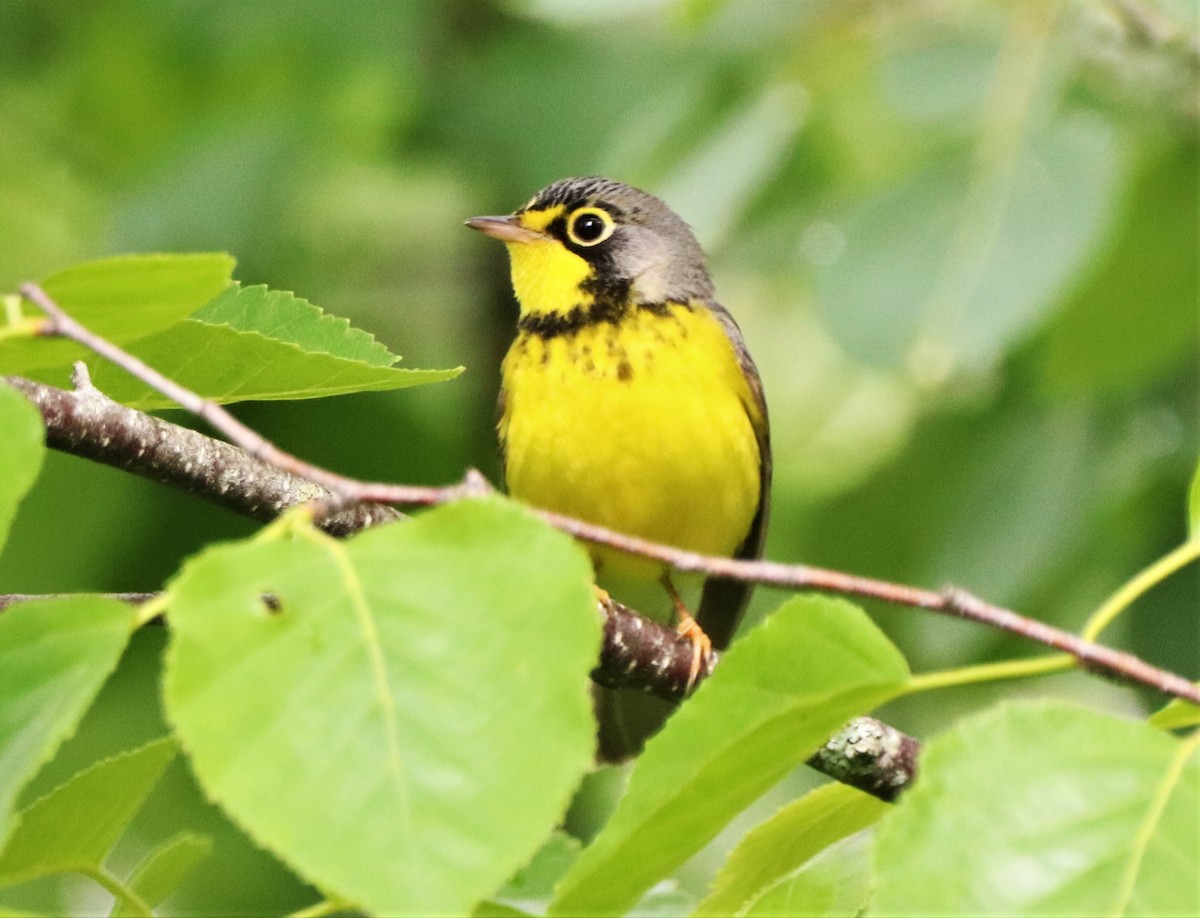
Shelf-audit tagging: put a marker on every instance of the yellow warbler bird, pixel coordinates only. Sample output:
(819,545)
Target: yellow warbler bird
(628,398)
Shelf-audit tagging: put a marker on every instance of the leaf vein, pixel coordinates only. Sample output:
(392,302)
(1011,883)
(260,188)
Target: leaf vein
(1158,805)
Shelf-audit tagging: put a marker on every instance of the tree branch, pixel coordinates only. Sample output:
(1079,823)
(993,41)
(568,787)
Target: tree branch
(254,477)
(88,423)
(347,491)
(639,653)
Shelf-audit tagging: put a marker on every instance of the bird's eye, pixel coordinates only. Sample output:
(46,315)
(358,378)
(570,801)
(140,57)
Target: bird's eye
(590,226)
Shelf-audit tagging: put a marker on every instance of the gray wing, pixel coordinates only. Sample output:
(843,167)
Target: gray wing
(723,601)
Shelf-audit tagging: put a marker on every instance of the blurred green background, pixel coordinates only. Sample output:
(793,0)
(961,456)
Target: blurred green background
(961,239)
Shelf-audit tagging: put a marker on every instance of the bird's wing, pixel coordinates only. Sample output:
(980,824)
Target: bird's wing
(723,601)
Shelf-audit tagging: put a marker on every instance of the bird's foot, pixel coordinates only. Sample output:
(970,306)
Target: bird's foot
(687,626)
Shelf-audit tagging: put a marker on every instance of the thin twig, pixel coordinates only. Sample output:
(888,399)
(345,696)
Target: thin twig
(8,600)
(950,601)
(62,325)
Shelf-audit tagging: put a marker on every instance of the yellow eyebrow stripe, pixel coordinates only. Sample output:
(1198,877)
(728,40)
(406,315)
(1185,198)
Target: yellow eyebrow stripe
(538,220)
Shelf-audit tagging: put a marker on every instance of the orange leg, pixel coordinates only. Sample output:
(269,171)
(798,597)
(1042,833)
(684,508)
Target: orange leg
(689,628)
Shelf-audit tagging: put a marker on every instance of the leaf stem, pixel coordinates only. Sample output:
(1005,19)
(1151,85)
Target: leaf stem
(151,609)
(24,328)
(119,890)
(295,520)
(1139,584)
(320,909)
(990,672)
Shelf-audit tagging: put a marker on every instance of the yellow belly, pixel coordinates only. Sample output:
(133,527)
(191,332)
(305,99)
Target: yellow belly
(643,428)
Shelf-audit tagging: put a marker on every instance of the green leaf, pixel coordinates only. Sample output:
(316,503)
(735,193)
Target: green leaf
(837,882)
(782,846)
(938,75)
(286,317)
(163,869)
(225,365)
(75,826)
(1176,715)
(1098,344)
(1046,809)
(21,454)
(1193,509)
(719,176)
(121,299)
(667,900)
(258,344)
(964,281)
(55,655)
(422,686)
(536,880)
(777,695)
(490,909)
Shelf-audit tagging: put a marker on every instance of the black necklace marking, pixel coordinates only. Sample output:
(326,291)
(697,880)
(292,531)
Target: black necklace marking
(547,325)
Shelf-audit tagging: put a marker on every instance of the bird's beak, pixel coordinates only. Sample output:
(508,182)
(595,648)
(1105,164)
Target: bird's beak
(506,229)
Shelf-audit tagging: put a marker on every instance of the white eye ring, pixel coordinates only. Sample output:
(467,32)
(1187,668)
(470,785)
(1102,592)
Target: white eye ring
(589,217)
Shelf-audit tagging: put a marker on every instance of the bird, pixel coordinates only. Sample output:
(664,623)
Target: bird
(628,398)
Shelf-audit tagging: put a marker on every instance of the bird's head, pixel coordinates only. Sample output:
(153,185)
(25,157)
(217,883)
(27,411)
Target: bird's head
(583,243)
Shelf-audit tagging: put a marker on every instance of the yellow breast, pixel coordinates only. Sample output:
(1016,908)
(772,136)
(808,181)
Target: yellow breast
(644,427)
